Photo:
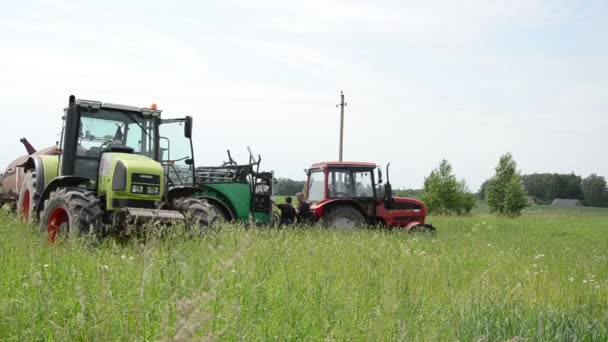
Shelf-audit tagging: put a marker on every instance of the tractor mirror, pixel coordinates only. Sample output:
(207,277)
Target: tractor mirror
(188,127)
(189,161)
(379,175)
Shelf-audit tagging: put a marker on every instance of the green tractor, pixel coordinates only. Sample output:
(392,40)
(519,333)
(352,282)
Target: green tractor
(237,192)
(231,191)
(108,174)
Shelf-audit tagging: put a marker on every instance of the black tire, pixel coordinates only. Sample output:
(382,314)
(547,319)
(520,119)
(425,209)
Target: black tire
(343,217)
(70,210)
(218,215)
(197,212)
(423,228)
(28,198)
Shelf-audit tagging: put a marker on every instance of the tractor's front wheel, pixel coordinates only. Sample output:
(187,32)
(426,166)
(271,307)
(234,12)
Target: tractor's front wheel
(70,210)
(343,217)
(197,212)
(28,197)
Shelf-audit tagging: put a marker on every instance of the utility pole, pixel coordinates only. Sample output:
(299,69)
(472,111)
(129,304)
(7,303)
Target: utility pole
(342,105)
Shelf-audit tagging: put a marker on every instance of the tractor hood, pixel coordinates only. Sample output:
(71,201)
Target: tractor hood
(133,162)
(126,177)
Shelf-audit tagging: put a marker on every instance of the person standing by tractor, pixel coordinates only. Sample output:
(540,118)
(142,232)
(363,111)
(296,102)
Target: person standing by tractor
(288,212)
(303,210)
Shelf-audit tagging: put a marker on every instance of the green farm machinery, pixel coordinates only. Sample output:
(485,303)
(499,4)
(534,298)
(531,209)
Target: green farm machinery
(238,192)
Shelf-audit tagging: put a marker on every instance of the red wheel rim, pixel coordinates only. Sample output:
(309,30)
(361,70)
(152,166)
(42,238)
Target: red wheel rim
(58,217)
(25,206)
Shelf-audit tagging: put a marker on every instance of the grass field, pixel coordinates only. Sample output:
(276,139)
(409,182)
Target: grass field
(543,276)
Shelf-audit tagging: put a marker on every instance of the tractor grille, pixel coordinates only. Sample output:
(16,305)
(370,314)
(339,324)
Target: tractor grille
(133,203)
(145,179)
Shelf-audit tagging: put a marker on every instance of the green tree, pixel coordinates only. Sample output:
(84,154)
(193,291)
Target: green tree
(505,194)
(444,194)
(481,194)
(595,192)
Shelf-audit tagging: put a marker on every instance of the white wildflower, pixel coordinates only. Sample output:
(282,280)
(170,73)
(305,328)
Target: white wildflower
(597,286)
(535,273)
(571,279)
(131,258)
(584,281)
(539,256)
(535,265)
(123,257)
(46,265)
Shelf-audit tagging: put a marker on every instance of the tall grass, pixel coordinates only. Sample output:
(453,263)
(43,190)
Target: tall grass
(543,276)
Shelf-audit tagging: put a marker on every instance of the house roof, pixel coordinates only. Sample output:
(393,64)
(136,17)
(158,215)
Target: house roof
(563,202)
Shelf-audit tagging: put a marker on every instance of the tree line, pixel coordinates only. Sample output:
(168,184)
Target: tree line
(543,188)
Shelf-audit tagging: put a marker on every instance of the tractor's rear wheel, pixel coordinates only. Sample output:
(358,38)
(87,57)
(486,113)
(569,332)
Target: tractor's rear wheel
(218,215)
(197,211)
(70,210)
(343,217)
(28,197)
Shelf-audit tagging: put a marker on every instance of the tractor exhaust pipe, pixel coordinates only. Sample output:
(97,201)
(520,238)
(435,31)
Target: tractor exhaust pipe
(70,138)
(28,147)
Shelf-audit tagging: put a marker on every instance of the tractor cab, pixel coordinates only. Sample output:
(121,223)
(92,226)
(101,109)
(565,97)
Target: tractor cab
(106,128)
(353,193)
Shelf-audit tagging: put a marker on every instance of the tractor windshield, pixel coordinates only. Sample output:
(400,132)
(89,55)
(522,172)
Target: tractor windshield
(102,129)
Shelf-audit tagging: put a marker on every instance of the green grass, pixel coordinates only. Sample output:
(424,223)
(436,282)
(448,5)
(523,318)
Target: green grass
(543,276)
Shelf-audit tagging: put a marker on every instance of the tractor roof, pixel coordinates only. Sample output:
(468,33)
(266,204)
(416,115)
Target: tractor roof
(343,164)
(96,105)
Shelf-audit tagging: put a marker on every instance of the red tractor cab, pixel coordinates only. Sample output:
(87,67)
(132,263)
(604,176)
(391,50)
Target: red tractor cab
(348,194)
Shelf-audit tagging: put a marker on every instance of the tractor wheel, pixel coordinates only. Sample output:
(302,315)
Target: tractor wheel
(423,228)
(197,212)
(70,210)
(218,215)
(343,217)
(28,197)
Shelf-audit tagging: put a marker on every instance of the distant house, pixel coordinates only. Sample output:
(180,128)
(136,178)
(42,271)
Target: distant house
(561,202)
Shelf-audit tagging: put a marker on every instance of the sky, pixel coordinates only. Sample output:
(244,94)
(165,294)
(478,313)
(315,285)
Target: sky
(465,81)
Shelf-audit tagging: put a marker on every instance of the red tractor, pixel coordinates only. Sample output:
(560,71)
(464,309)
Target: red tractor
(347,194)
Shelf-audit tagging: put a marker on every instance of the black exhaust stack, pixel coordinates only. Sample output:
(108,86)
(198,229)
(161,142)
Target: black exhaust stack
(388,190)
(70,139)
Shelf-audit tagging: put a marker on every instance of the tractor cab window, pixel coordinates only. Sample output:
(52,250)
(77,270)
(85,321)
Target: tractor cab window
(176,153)
(363,184)
(341,184)
(348,183)
(316,186)
(99,130)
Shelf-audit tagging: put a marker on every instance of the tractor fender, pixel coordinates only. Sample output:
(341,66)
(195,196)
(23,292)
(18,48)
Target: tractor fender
(411,225)
(181,191)
(35,163)
(57,182)
(320,208)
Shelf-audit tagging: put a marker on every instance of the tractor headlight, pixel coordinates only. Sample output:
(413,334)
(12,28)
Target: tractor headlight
(152,190)
(137,189)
